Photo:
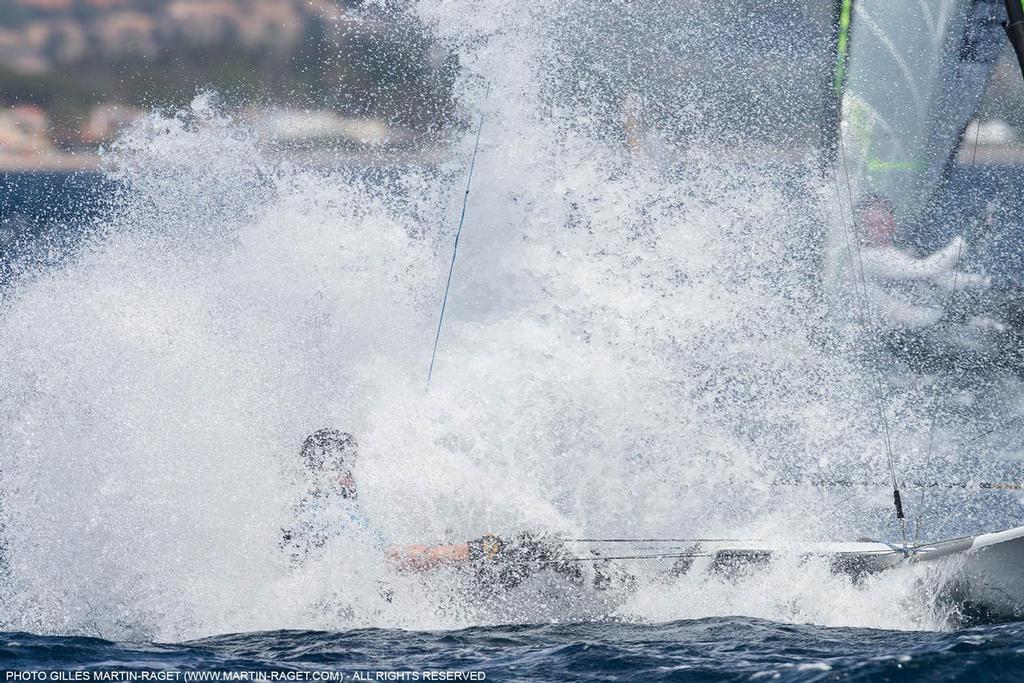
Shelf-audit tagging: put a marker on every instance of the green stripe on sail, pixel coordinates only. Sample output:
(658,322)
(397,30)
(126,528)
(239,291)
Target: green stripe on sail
(843,45)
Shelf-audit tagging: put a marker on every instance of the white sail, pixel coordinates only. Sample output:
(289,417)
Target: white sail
(914,72)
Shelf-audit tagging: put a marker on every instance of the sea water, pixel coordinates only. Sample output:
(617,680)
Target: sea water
(634,346)
(717,649)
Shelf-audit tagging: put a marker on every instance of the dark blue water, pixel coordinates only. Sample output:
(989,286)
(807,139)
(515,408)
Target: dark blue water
(43,214)
(703,650)
(983,202)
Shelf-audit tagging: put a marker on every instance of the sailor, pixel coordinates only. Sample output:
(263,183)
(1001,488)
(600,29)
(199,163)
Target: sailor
(330,508)
(497,564)
(911,291)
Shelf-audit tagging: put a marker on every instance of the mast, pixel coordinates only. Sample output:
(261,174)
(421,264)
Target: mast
(1015,28)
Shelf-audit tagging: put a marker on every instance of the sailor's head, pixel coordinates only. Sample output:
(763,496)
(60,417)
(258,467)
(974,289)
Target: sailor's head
(876,221)
(331,454)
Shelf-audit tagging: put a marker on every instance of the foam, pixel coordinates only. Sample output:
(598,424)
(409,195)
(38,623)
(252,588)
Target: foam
(621,342)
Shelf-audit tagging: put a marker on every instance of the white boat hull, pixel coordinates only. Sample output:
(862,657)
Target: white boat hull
(992,573)
(984,573)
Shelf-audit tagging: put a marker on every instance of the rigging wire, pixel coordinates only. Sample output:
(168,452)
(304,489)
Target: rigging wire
(917,483)
(659,540)
(820,483)
(988,432)
(866,326)
(458,233)
(937,400)
(602,558)
(752,555)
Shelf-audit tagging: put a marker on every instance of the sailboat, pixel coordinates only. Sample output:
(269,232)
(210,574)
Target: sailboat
(908,78)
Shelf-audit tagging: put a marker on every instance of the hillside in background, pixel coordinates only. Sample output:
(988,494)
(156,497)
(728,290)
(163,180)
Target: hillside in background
(85,63)
(356,73)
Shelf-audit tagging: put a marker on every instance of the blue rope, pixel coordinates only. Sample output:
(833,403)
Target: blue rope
(455,249)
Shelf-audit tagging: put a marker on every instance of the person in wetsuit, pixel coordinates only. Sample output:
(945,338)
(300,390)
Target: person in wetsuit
(330,505)
(330,508)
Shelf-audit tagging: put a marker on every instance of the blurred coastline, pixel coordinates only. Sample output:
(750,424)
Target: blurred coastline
(345,82)
(325,77)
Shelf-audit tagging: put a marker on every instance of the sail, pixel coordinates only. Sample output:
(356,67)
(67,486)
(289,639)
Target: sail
(910,74)
(1015,28)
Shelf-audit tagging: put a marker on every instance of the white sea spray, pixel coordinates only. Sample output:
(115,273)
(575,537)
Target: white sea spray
(623,343)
